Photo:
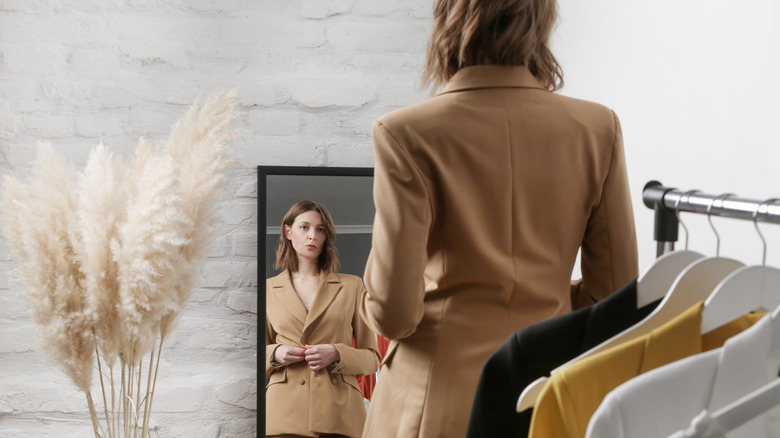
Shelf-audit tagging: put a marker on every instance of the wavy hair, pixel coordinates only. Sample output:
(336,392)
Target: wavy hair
(287,258)
(504,32)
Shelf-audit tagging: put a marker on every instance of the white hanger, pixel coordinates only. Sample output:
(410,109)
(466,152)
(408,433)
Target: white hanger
(657,281)
(760,400)
(694,284)
(659,278)
(745,290)
(741,411)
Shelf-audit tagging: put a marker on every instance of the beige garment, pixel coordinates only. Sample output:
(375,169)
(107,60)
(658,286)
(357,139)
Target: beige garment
(484,195)
(300,401)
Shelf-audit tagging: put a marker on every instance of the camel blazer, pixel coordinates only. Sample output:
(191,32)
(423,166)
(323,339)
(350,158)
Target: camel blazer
(298,400)
(484,194)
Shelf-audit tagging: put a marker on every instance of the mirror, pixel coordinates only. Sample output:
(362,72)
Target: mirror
(347,192)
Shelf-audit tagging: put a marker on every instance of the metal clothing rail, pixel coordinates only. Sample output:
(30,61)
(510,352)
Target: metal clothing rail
(667,201)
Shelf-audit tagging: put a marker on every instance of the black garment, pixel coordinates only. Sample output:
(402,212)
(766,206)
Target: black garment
(535,351)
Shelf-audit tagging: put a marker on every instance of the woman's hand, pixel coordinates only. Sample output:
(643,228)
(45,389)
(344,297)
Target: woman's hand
(287,355)
(322,355)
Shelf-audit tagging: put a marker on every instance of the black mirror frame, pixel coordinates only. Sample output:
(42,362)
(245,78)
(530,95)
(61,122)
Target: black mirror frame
(262,174)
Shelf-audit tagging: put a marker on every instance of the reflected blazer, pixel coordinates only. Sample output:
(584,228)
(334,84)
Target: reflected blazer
(484,195)
(298,400)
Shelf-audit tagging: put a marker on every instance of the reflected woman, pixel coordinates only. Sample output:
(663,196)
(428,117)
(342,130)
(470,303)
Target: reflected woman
(311,318)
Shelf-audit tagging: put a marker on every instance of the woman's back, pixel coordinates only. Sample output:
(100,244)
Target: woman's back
(486,192)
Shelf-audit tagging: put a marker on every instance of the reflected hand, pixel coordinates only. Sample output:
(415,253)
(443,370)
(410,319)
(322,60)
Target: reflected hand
(287,355)
(322,355)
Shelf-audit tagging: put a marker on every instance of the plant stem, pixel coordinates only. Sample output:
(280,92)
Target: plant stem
(138,397)
(102,386)
(124,396)
(112,427)
(154,385)
(93,414)
(147,410)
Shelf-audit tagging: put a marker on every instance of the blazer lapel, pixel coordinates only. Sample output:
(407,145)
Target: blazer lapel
(286,294)
(330,285)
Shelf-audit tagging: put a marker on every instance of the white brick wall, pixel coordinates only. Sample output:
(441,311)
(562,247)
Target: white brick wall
(312,75)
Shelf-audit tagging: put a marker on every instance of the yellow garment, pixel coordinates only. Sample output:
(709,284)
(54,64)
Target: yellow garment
(575,392)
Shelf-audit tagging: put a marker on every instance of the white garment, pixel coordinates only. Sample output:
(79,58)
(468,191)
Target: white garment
(665,400)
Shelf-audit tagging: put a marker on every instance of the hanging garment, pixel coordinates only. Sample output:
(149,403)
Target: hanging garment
(668,398)
(575,392)
(679,279)
(301,401)
(537,349)
(484,194)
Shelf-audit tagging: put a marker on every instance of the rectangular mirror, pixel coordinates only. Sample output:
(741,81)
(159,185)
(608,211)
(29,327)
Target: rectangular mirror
(347,193)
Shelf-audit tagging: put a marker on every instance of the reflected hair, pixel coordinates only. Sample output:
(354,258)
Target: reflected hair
(503,32)
(287,258)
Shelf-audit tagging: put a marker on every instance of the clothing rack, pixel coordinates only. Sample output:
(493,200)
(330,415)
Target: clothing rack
(668,201)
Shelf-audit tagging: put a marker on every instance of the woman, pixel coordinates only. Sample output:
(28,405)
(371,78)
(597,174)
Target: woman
(312,316)
(485,194)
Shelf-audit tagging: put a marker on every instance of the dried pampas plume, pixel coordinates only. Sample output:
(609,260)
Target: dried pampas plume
(200,142)
(109,257)
(40,222)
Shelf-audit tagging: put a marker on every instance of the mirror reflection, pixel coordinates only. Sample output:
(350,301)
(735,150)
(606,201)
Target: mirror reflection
(347,198)
(343,199)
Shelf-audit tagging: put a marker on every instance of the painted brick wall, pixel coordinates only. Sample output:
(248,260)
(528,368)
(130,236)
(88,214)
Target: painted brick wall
(312,75)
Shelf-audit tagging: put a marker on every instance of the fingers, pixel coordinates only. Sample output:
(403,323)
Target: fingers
(287,355)
(297,353)
(319,356)
(313,356)
(316,356)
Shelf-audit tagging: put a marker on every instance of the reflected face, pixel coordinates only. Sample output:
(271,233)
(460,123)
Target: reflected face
(307,235)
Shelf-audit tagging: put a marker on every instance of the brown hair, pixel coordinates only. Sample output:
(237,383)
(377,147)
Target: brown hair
(287,258)
(504,32)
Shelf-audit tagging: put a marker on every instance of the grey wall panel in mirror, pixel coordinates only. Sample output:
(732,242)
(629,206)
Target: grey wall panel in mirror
(347,194)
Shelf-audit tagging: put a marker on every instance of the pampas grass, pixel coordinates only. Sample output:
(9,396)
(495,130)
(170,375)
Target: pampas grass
(109,257)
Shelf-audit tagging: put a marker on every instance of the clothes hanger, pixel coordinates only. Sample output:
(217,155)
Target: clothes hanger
(694,284)
(745,290)
(654,284)
(749,406)
(758,401)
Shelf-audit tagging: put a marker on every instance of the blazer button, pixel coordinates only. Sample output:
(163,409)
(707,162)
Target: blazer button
(333,380)
(303,382)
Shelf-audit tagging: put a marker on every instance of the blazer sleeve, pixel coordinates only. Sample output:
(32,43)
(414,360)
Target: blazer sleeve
(270,348)
(393,306)
(364,358)
(609,249)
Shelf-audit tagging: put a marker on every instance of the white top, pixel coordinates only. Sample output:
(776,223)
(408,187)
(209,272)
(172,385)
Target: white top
(664,401)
